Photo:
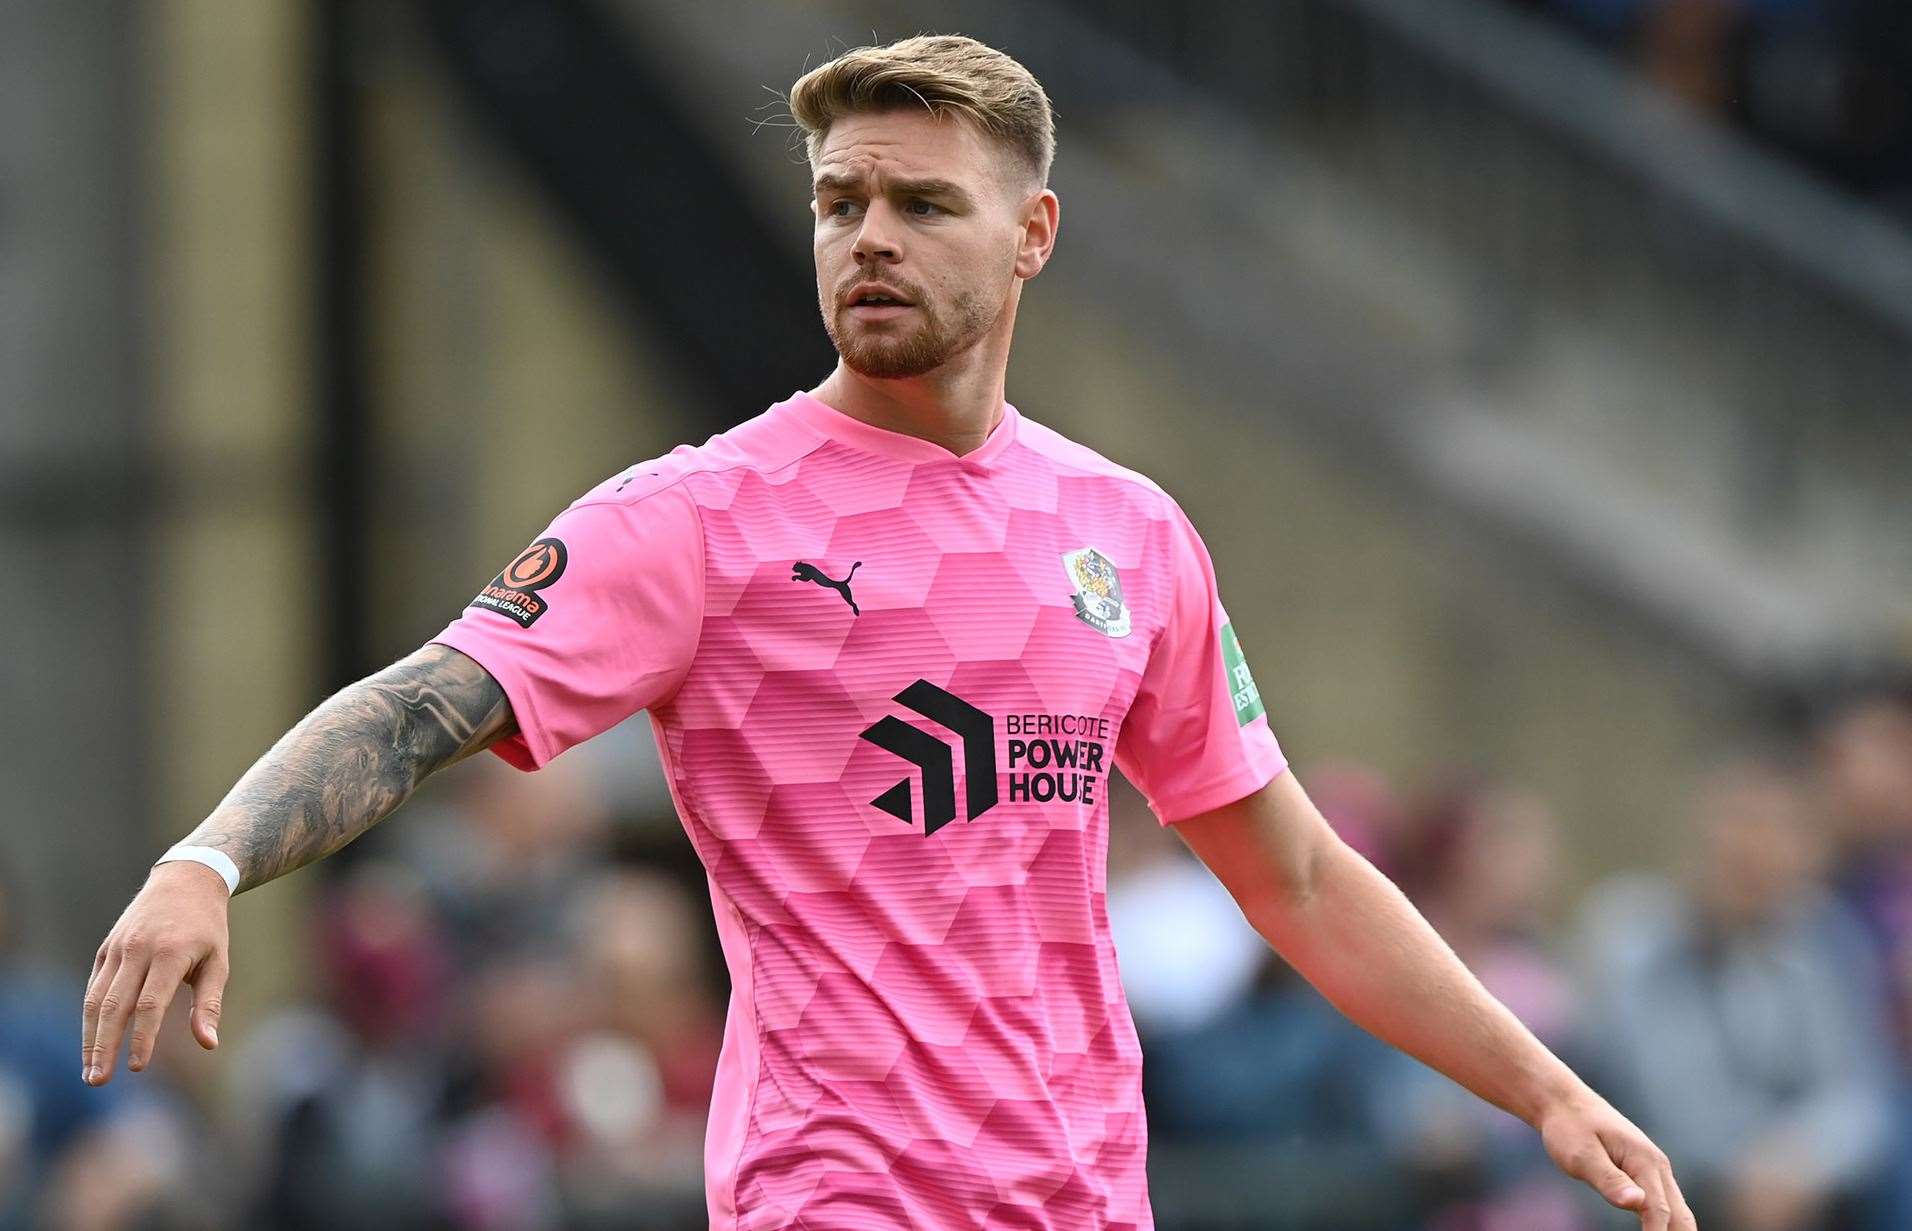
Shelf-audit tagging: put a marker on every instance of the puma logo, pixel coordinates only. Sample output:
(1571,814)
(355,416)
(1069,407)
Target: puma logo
(809,572)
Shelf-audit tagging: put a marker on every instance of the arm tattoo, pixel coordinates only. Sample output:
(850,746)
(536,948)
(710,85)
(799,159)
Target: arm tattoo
(353,760)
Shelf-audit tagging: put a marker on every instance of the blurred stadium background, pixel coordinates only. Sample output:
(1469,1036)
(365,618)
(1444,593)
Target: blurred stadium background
(1540,374)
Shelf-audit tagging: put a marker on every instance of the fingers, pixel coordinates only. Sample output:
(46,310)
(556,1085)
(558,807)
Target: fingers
(209,995)
(113,1006)
(149,1010)
(1665,1202)
(1656,1214)
(1683,1219)
(1607,1152)
(105,967)
(1612,1183)
(1664,1207)
(173,931)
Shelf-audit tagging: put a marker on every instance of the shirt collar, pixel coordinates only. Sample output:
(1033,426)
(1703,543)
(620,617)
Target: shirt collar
(830,422)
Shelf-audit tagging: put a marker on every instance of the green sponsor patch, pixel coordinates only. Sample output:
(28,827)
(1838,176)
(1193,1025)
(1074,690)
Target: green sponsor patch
(1241,685)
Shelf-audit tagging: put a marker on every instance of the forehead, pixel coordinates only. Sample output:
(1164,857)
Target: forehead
(906,142)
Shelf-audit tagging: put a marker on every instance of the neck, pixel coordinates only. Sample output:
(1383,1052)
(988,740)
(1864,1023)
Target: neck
(957,412)
(956,406)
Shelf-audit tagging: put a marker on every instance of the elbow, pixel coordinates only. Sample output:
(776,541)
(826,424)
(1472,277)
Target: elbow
(1309,869)
(1290,898)
(1273,851)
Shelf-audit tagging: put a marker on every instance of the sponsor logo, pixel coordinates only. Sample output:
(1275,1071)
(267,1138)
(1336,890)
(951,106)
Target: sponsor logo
(931,756)
(1241,685)
(1057,758)
(1052,758)
(1098,591)
(513,593)
(810,572)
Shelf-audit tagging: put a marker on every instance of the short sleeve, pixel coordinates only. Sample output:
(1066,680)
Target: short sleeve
(597,619)
(1196,736)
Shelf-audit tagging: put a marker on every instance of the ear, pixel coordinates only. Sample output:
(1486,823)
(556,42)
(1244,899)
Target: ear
(1041,215)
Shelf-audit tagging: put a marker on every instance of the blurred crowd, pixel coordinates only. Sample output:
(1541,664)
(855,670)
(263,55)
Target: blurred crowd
(1828,81)
(514,1004)
(509,1013)
(1750,1006)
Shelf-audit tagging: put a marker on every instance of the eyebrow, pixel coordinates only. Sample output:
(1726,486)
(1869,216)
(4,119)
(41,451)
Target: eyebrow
(931,187)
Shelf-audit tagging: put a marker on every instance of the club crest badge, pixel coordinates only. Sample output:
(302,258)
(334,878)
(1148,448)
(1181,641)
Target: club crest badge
(1098,592)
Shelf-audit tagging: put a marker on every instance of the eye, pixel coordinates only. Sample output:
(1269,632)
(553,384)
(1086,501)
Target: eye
(831,210)
(931,208)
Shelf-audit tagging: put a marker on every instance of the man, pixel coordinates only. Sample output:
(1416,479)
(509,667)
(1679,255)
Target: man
(1738,1007)
(828,611)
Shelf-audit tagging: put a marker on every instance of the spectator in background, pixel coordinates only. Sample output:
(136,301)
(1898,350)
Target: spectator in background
(1787,70)
(1185,952)
(40,1112)
(588,1029)
(352,1093)
(76,1158)
(1482,861)
(1686,48)
(151,1165)
(1864,756)
(1739,1016)
(501,852)
(1253,1053)
(1828,82)
(588,1062)
(639,1077)
(522,1013)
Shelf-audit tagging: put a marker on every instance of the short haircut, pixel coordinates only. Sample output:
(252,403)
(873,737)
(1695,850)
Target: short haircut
(944,73)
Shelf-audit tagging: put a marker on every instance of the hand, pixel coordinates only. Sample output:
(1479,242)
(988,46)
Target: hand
(1593,1143)
(173,931)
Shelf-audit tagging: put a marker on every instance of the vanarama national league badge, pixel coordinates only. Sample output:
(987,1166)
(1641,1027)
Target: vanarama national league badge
(513,593)
(1098,592)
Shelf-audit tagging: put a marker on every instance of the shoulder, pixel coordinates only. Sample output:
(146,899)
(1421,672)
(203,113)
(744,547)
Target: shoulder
(1071,458)
(688,474)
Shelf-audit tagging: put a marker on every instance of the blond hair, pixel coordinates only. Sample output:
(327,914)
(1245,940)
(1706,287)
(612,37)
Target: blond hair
(945,73)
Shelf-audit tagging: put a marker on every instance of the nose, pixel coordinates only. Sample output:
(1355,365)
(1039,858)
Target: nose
(879,238)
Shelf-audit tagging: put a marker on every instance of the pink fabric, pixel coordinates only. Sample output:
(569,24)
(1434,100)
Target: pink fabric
(619,630)
(926,1029)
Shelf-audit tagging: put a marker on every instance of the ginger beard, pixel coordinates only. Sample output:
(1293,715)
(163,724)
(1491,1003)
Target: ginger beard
(904,347)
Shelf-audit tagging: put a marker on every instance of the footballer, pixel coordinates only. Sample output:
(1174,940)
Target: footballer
(893,637)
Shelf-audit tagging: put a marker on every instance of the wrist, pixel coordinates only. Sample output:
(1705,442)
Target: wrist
(212,860)
(1558,1093)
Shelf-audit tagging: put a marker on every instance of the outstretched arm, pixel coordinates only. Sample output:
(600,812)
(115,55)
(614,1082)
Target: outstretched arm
(354,760)
(1349,931)
(346,766)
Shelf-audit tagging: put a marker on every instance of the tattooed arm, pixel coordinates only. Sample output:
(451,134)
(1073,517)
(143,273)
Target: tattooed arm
(353,760)
(341,770)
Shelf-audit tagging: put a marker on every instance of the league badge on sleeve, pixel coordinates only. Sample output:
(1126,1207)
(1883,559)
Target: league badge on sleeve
(513,592)
(1098,591)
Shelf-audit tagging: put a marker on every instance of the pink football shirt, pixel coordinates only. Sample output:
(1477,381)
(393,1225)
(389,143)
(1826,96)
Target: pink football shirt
(889,685)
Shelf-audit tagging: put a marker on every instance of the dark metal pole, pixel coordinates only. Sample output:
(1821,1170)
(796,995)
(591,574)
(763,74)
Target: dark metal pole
(342,444)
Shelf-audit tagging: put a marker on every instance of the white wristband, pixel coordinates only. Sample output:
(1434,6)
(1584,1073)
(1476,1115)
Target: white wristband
(212,857)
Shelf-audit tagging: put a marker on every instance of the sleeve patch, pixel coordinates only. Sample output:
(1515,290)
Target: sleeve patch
(1241,684)
(513,592)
